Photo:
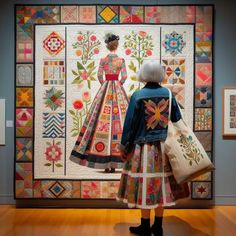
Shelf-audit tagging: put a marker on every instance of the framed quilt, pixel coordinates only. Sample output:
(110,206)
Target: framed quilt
(59,91)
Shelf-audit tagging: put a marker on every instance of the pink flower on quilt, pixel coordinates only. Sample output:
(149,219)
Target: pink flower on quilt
(80,37)
(93,38)
(142,34)
(128,51)
(148,52)
(78,104)
(86,96)
(96,50)
(53,153)
(84,75)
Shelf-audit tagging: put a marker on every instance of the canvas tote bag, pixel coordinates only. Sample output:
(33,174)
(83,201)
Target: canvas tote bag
(186,154)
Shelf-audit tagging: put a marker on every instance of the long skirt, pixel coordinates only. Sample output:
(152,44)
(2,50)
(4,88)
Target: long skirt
(147,180)
(97,145)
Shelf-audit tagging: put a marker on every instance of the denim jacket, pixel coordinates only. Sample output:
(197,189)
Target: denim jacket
(147,116)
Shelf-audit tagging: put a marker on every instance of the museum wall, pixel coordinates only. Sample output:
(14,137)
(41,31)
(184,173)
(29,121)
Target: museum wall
(224,150)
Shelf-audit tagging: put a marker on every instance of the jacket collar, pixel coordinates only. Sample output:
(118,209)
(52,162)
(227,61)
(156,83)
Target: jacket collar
(152,85)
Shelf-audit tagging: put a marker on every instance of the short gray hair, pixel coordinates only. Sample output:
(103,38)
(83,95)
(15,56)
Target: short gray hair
(151,71)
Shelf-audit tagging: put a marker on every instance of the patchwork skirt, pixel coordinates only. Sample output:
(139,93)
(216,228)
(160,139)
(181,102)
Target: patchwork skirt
(147,180)
(97,145)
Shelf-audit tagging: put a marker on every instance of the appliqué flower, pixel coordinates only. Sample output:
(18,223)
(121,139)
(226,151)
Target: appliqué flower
(78,104)
(156,114)
(53,153)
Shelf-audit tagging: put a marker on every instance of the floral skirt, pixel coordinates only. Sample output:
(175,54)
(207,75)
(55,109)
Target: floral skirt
(147,180)
(97,145)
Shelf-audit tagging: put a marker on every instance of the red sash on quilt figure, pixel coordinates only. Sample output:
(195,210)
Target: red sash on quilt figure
(98,143)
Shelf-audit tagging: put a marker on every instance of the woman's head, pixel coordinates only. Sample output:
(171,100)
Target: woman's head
(112,41)
(151,71)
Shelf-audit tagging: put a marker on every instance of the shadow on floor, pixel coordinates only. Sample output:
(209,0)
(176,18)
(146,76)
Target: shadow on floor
(172,226)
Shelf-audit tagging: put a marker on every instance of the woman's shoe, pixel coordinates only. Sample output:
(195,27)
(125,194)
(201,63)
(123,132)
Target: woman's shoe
(107,170)
(113,170)
(143,229)
(157,231)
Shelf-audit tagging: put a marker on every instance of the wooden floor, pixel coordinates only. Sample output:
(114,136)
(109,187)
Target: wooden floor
(220,221)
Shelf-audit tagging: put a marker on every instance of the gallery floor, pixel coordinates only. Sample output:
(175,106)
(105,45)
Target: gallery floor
(219,221)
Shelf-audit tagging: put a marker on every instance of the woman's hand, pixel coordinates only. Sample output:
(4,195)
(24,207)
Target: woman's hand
(123,155)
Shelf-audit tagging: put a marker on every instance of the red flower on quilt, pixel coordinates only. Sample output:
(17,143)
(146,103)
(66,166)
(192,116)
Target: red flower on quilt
(149,52)
(128,51)
(93,38)
(53,153)
(78,104)
(54,43)
(156,114)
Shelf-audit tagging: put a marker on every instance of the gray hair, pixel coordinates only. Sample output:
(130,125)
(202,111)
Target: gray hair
(151,71)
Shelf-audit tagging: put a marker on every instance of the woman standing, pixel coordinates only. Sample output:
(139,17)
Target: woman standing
(147,181)
(98,143)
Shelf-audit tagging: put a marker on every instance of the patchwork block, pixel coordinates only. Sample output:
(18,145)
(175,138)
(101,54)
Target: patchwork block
(205,139)
(203,96)
(109,189)
(174,43)
(54,43)
(23,178)
(24,122)
(152,14)
(24,149)
(24,97)
(203,119)
(201,190)
(203,74)
(54,72)
(174,71)
(90,189)
(87,14)
(25,32)
(204,18)
(173,14)
(131,14)
(24,51)
(37,14)
(54,125)
(203,53)
(55,189)
(69,14)
(107,14)
(24,75)
(76,189)
(54,98)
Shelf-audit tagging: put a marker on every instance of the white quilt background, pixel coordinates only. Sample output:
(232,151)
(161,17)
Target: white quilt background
(68,169)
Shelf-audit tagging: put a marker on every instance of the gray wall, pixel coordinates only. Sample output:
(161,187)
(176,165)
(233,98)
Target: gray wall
(225,51)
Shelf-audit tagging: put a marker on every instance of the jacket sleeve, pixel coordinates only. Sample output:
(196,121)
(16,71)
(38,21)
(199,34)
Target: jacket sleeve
(175,112)
(128,129)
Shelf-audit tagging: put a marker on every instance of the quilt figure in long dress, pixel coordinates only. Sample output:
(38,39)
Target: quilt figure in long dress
(98,143)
